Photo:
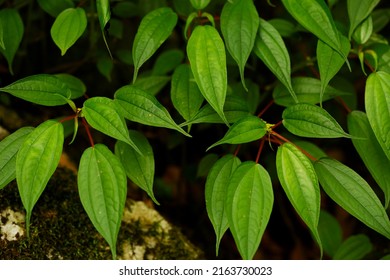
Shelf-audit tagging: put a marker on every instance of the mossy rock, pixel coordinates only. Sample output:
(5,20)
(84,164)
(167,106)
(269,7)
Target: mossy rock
(60,228)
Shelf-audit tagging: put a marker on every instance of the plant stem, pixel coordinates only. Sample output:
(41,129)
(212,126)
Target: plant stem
(260,149)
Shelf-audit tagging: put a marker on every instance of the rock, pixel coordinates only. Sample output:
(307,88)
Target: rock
(60,228)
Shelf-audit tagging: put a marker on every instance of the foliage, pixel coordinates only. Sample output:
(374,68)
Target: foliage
(213,57)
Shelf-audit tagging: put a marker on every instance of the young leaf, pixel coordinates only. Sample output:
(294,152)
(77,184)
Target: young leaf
(9,148)
(363,32)
(102,187)
(315,16)
(68,27)
(352,193)
(239,24)
(102,115)
(330,233)
(139,168)
(206,53)
(199,4)
(167,62)
(330,62)
(154,29)
(299,181)
(12,26)
(76,86)
(270,48)
(42,89)
(377,100)
(370,151)
(185,94)
(306,90)
(354,248)
(249,204)
(215,194)
(55,7)
(309,120)
(245,130)
(359,11)
(139,106)
(104,15)
(36,162)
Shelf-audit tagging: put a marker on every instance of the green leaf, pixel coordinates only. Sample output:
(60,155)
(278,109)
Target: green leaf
(55,7)
(154,29)
(239,25)
(354,248)
(380,18)
(370,151)
(205,164)
(363,32)
(311,148)
(306,90)
(215,194)
(245,130)
(199,4)
(76,86)
(167,62)
(206,53)
(249,204)
(235,108)
(105,65)
(309,120)
(12,28)
(139,106)
(315,16)
(36,162)
(152,84)
(42,89)
(284,27)
(359,11)
(377,101)
(9,148)
(104,15)
(139,168)
(270,48)
(352,193)
(330,233)
(102,187)
(185,94)
(102,115)
(330,62)
(68,27)
(300,183)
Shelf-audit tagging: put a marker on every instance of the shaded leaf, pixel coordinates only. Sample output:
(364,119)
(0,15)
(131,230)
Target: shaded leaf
(284,27)
(380,18)
(215,194)
(309,120)
(55,7)
(104,15)
(270,48)
(102,188)
(139,106)
(354,248)
(158,25)
(42,89)
(363,32)
(206,53)
(239,25)
(344,186)
(76,86)
(359,11)
(152,84)
(245,130)
(205,164)
(199,4)
(167,62)
(9,148)
(249,204)
(36,162)
(105,65)
(139,167)
(370,151)
(330,233)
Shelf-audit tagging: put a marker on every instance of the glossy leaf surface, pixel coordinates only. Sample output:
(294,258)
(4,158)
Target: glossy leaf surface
(270,48)
(354,248)
(36,162)
(158,25)
(351,192)
(359,11)
(139,167)
(245,130)
(139,106)
(215,194)
(249,205)
(377,101)
(239,25)
(370,151)
(102,185)
(206,53)
(308,120)
(9,148)
(68,27)
(300,183)
(42,89)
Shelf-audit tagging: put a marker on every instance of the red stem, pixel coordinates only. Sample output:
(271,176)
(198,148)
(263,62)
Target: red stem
(266,108)
(260,149)
(86,125)
(277,135)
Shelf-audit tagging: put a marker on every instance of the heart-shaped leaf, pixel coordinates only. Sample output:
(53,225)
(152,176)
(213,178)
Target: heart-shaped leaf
(215,194)
(102,187)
